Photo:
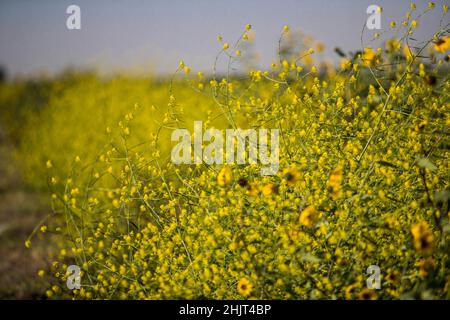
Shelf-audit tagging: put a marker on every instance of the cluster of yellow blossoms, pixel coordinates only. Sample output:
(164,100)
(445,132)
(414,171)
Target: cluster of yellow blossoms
(363,181)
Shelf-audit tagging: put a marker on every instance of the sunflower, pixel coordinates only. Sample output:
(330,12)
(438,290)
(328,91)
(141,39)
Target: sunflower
(430,79)
(367,294)
(393,276)
(292,175)
(244,287)
(269,189)
(442,45)
(243,182)
(425,266)
(423,237)
(350,291)
(308,216)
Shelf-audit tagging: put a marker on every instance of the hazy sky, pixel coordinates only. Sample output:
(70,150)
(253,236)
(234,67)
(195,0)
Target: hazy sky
(154,35)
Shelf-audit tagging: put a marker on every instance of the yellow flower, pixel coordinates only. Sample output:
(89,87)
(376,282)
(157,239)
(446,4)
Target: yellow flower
(253,189)
(345,64)
(269,189)
(226,46)
(309,213)
(187,70)
(49,164)
(238,53)
(224,177)
(320,47)
(244,287)
(308,216)
(292,175)
(367,294)
(425,265)
(248,27)
(369,56)
(423,237)
(442,44)
(393,276)
(335,181)
(350,291)
(286,28)
(407,53)
(116,203)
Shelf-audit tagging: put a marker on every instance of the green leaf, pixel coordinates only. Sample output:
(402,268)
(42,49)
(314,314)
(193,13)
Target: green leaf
(446,228)
(309,258)
(426,164)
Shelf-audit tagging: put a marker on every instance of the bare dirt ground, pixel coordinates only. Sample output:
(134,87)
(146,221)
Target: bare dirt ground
(20,212)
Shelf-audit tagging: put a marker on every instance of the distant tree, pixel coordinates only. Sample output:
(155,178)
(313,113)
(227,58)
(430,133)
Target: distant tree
(3,74)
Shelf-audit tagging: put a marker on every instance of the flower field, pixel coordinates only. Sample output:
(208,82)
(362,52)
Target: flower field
(363,175)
